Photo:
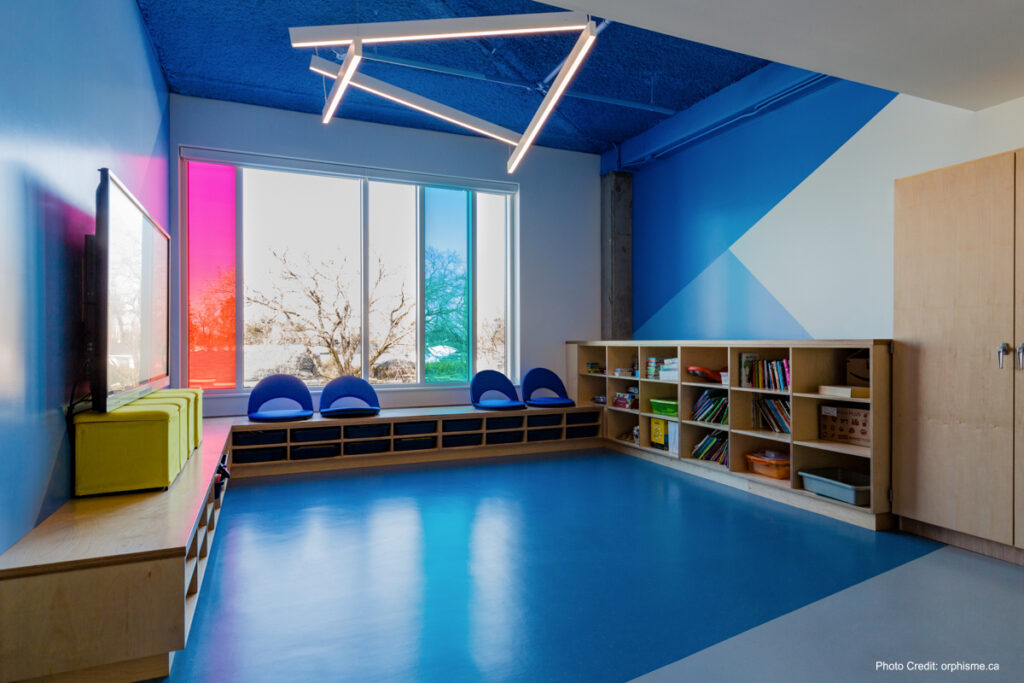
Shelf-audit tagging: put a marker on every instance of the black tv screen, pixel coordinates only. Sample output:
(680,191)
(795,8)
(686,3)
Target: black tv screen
(130,283)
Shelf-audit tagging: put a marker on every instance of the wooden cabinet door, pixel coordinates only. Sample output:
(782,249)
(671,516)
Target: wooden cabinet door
(1018,442)
(953,414)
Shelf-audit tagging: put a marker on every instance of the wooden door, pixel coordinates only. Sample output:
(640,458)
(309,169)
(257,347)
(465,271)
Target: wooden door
(953,426)
(1018,468)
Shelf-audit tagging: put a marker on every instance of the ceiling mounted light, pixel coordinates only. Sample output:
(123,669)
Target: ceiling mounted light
(568,70)
(344,77)
(422,104)
(354,35)
(436,29)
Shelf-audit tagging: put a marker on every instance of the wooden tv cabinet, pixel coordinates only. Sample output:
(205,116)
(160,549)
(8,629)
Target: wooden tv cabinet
(106,587)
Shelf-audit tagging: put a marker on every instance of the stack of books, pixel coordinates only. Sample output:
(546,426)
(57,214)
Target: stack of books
(774,414)
(595,369)
(711,407)
(670,370)
(714,448)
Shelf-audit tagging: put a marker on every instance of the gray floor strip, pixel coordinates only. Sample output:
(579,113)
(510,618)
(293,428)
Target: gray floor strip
(948,607)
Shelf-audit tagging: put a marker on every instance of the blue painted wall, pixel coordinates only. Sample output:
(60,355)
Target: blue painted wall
(80,88)
(691,206)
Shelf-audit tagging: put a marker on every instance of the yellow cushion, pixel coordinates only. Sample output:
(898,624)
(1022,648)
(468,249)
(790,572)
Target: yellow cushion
(195,406)
(184,423)
(134,447)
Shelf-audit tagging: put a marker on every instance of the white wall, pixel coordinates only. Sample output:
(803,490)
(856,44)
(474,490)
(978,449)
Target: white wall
(835,230)
(559,210)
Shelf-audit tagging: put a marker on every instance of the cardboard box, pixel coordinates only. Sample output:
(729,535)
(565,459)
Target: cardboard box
(858,369)
(845,425)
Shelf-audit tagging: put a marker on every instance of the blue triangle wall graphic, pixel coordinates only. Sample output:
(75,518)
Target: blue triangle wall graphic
(690,207)
(725,301)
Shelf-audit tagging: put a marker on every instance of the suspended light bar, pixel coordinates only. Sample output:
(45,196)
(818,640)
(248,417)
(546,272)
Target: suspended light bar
(422,104)
(565,75)
(437,29)
(343,77)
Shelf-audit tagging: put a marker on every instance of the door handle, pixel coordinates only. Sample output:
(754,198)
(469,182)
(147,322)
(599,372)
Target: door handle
(1001,351)
(1020,356)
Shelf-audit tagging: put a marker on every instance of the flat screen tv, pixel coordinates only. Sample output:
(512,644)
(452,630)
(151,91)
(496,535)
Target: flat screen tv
(127,290)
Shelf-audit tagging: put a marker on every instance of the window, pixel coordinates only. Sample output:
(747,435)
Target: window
(321,274)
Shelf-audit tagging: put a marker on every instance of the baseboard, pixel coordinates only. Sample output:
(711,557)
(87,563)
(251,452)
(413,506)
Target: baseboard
(983,546)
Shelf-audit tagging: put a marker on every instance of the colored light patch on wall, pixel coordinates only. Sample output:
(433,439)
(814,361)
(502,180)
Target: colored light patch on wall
(211,275)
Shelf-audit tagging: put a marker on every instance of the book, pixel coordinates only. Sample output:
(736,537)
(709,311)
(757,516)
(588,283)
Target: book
(844,391)
(747,363)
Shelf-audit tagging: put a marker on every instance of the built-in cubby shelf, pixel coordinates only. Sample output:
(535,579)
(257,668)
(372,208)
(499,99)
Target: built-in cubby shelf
(406,435)
(810,364)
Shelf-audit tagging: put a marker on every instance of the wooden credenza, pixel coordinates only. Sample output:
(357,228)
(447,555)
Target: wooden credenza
(958,417)
(106,587)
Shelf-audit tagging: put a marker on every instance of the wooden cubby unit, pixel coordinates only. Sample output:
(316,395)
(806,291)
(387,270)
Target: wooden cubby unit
(811,363)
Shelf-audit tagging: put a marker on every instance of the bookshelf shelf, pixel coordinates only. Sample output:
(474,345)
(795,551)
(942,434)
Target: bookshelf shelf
(827,397)
(669,418)
(810,364)
(706,425)
(765,434)
(837,447)
(752,390)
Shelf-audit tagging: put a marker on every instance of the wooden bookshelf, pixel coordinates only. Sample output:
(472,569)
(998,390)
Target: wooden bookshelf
(811,364)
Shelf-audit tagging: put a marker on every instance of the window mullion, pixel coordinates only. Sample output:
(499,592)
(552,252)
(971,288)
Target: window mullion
(421,331)
(472,279)
(364,213)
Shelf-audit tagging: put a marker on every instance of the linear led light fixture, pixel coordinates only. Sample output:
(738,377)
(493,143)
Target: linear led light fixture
(328,68)
(436,29)
(342,79)
(561,82)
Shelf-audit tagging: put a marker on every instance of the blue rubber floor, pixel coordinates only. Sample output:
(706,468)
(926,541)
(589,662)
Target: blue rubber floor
(593,568)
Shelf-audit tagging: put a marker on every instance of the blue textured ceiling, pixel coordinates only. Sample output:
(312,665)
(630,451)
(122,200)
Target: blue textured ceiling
(239,50)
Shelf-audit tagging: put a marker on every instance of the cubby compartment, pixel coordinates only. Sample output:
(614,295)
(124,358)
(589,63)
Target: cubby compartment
(715,359)
(545,434)
(743,444)
(367,431)
(582,417)
(327,450)
(591,360)
(652,358)
(582,431)
(714,444)
(623,385)
(259,437)
(589,387)
(668,433)
(406,428)
(619,426)
(461,440)
(462,425)
(494,438)
(415,443)
(712,400)
(813,368)
(806,458)
(624,359)
(511,422)
(745,419)
(367,447)
(665,393)
(544,420)
(249,455)
(308,434)
(769,371)
(807,419)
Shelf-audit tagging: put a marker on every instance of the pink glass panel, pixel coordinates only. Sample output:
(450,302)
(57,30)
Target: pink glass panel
(211,275)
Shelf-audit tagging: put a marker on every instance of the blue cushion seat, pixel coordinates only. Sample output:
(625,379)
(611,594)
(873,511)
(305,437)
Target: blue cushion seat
(542,378)
(492,380)
(349,397)
(280,387)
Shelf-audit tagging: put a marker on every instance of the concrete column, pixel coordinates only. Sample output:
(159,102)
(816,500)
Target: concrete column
(617,255)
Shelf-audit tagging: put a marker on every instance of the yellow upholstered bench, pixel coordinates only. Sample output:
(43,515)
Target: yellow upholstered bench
(195,406)
(137,446)
(185,423)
